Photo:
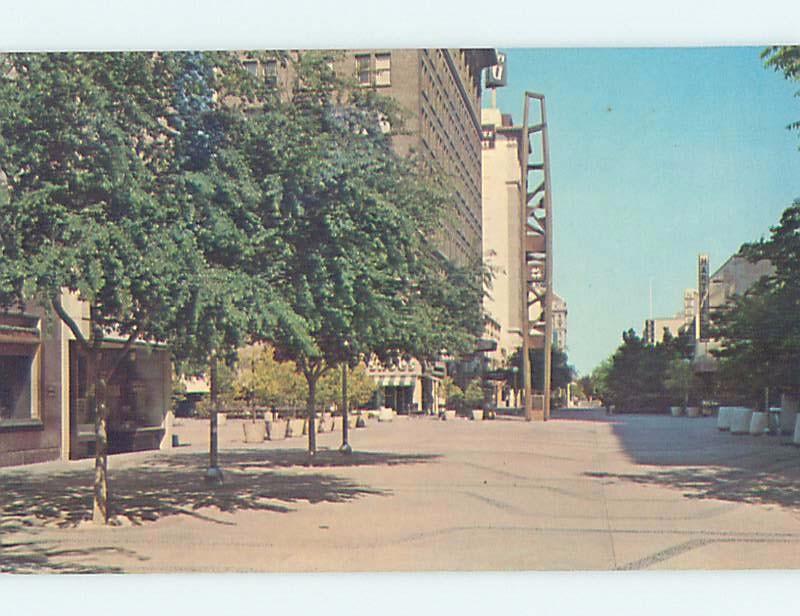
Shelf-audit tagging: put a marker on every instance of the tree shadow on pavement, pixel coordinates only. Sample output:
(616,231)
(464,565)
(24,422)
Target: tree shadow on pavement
(172,484)
(774,484)
(693,456)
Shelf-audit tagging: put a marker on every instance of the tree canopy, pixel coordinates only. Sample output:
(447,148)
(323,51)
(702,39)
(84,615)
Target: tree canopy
(760,330)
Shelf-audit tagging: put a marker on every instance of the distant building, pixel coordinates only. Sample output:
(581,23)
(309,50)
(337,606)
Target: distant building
(734,278)
(654,329)
(502,232)
(440,89)
(683,321)
(559,323)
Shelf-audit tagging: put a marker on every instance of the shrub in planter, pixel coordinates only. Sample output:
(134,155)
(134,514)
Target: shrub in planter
(473,396)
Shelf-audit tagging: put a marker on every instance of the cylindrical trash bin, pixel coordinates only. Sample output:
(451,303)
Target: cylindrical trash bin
(740,420)
(758,424)
(724,417)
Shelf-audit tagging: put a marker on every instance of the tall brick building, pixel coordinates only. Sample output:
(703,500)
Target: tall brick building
(440,89)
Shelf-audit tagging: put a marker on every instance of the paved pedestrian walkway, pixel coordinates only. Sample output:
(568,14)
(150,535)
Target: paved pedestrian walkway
(582,491)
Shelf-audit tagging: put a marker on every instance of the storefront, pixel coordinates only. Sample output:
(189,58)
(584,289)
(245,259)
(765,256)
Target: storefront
(138,397)
(405,387)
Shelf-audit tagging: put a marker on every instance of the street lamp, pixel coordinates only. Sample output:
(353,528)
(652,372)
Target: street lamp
(345,448)
(514,371)
(214,472)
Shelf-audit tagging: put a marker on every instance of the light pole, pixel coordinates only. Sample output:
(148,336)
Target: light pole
(213,472)
(345,448)
(514,371)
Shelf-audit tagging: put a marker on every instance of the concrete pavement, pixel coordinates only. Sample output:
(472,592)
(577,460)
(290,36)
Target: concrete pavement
(583,491)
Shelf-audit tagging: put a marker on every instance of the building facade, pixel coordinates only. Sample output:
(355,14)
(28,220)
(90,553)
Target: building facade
(44,414)
(559,323)
(502,233)
(733,278)
(440,92)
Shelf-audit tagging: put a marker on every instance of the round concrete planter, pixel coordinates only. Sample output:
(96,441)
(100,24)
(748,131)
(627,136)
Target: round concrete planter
(448,415)
(385,414)
(724,417)
(676,411)
(758,424)
(295,427)
(693,411)
(789,404)
(740,420)
(476,414)
(275,430)
(222,419)
(254,431)
(796,439)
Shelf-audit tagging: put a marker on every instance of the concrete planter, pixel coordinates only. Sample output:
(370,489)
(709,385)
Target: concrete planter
(693,411)
(724,417)
(295,427)
(275,430)
(476,414)
(385,414)
(740,420)
(254,431)
(796,439)
(676,411)
(448,415)
(222,419)
(758,424)
(789,404)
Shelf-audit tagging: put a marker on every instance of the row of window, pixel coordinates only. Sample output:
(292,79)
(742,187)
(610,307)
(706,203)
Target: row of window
(267,69)
(433,92)
(374,69)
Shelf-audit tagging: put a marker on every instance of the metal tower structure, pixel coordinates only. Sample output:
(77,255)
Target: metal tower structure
(537,240)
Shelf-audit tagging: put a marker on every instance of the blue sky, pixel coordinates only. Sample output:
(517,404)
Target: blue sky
(656,155)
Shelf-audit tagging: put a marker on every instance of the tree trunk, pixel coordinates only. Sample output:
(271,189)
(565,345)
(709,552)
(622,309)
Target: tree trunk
(311,413)
(97,399)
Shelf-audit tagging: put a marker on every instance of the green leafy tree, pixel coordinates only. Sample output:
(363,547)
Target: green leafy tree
(124,185)
(84,142)
(636,377)
(600,379)
(473,395)
(784,59)
(360,387)
(261,379)
(356,217)
(760,330)
(679,379)
(561,373)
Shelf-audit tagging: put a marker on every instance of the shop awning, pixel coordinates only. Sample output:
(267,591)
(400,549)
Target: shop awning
(396,380)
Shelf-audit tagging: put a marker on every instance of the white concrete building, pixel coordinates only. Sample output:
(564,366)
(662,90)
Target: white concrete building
(502,235)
